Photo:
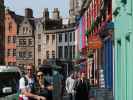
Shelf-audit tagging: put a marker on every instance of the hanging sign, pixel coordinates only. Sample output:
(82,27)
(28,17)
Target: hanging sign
(94,42)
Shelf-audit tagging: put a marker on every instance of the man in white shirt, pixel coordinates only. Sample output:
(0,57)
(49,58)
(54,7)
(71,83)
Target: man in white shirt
(27,86)
(70,86)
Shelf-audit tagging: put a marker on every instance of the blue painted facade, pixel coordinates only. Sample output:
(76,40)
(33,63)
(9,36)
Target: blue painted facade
(108,63)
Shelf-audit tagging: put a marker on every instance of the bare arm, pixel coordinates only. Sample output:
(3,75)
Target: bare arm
(28,94)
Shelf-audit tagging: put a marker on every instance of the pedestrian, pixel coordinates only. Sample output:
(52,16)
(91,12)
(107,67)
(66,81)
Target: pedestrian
(70,86)
(44,88)
(82,87)
(27,86)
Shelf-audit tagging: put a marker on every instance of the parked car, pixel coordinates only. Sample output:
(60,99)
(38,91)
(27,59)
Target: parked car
(9,82)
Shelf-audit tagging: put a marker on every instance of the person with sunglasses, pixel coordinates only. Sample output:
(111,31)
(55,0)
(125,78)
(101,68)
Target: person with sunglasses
(27,86)
(44,88)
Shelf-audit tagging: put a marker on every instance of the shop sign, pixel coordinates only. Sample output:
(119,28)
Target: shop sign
(94,42)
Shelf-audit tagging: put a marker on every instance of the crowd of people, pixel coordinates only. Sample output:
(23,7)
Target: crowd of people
(34,86)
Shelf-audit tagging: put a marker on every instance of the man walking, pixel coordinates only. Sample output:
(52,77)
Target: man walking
(70,86)
(82,87)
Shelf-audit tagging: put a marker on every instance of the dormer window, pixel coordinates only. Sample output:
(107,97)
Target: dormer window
(10,27)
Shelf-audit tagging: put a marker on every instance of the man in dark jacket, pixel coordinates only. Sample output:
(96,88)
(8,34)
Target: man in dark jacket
(82,87)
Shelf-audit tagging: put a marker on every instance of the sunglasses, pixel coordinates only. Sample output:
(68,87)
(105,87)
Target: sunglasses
(41,75)
(29,69)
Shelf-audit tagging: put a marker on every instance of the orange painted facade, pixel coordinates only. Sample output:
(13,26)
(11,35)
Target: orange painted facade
(10,38)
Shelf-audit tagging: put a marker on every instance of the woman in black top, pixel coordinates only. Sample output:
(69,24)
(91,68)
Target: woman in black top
(43,87)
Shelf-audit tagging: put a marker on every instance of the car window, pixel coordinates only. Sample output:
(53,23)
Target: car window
(9,79)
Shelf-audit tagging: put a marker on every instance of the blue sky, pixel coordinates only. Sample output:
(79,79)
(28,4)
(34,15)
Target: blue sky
(38,5)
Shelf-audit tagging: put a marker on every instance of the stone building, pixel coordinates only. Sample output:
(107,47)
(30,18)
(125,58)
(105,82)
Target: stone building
(11,28)
(2,32)
(45,36)
(25,45)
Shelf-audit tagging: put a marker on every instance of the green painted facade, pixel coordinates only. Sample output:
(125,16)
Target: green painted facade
(123,39)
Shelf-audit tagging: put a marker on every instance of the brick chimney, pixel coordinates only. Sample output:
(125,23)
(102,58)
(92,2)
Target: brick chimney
(28,13)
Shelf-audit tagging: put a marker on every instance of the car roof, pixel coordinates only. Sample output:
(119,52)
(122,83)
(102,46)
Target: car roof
(9,69)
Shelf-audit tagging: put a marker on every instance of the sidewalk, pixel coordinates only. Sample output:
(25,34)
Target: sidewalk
(101,94)
(97,94)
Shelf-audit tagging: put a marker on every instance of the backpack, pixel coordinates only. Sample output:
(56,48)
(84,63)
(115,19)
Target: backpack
(18,95)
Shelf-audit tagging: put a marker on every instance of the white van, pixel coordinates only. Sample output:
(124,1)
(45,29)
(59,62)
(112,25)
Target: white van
(9,82)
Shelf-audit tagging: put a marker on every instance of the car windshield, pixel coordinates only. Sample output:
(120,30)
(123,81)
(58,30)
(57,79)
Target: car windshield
(9,79)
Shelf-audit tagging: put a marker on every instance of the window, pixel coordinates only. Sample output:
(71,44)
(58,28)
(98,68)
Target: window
(39,48)
(53,54)
(9,63)
(47,54)
(39,61)
(9,39)
(24,42)
(39,36)
(22,54)
(73,51)
(24,30)
(124,1)
(14,52)
(60,37)
(60,52)
(30,54)
(66,37)
(20,42)
(66,52)
(53,38)
(9,52)
(14,39)
(73,36)
(70,36)
(70,51)
(10,27)
(47,39)
(30,42)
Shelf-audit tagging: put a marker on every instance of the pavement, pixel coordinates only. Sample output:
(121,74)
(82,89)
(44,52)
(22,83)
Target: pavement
(97,94)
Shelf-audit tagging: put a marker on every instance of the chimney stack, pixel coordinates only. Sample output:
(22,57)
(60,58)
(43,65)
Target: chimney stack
(28,13)
(46,13)
(56,14)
